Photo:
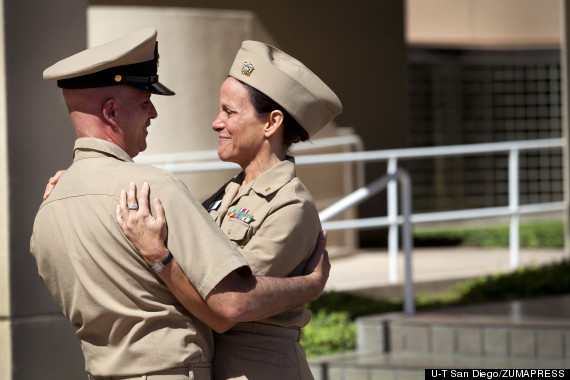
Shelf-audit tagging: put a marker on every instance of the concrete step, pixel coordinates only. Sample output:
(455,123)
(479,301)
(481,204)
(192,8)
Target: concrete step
(475,335)
(406,365)
(523,334)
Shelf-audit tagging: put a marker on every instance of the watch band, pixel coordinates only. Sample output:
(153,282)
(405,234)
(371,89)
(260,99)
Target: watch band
(167,259)
(158,266)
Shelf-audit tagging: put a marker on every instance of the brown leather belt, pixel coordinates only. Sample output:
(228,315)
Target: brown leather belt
(194,372)
(271,330)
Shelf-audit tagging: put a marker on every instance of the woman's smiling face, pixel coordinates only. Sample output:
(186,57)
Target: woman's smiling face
(241,131)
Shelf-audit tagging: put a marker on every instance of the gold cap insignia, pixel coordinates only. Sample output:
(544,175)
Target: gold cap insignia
(118,78)
(247,69)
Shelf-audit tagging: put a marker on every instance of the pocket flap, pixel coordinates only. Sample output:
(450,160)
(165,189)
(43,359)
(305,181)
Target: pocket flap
(235,229)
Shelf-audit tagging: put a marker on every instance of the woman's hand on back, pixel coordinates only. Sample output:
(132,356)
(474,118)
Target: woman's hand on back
(52,182)
(146,232)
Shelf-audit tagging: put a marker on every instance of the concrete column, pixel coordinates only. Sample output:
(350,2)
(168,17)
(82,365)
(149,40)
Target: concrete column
(5,342)
(36,138)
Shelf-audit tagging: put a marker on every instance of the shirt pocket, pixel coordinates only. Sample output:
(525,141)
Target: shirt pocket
(236,230)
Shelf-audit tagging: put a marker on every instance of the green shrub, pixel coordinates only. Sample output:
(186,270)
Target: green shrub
(353,305)
(545,234)
(328,333)
(487,237)
(522,283)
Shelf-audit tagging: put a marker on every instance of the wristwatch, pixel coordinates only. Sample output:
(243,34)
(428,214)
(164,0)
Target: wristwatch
(158,266)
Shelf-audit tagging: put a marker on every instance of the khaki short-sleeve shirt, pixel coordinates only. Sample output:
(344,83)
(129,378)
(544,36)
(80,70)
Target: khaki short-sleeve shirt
(127,321)
(275,224)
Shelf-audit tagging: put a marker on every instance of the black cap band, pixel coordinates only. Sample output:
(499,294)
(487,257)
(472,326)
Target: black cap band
(138,75)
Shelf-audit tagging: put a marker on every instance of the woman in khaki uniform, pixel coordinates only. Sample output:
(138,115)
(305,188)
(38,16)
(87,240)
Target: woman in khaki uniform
(266,211)
(269,101)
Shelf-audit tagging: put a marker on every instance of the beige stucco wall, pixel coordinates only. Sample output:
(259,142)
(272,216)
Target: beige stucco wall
(5,343)
(4,236)
(5,350)
(484,22)
(36,138)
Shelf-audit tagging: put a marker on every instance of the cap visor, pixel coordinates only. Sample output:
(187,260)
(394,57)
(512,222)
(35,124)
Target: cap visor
(154,88)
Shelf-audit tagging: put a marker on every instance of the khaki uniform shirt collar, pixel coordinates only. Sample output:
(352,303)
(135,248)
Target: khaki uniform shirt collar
(89,147)
(267,183)
(275,178)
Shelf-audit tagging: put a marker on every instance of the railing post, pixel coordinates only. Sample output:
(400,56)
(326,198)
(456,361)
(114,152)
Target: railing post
(409,304)
(393,219)
(514,207)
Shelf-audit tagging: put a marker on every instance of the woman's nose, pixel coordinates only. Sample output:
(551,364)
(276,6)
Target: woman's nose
(217,124)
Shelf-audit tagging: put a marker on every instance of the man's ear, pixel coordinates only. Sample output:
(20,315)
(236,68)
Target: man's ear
(274,123)
(109,109)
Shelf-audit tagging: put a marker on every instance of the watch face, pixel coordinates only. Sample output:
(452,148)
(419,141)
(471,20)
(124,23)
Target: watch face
(158,266)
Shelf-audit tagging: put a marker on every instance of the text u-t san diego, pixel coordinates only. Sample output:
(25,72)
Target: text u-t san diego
(495,373)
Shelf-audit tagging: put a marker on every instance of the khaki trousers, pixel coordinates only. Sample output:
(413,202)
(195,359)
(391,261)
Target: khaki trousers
(256,351)
(195,372)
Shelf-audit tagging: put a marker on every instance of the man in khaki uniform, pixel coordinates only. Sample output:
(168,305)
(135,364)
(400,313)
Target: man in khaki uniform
(128,323)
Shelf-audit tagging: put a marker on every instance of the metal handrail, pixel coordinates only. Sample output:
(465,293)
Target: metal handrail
(369,191)
(177,160)
(514,209)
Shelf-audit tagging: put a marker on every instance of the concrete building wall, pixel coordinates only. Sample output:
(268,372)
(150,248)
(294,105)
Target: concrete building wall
(5,341)
(484,23)
(36,137)
(452,38)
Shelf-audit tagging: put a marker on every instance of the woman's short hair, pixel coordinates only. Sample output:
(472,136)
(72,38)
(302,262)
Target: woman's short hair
(293,131)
